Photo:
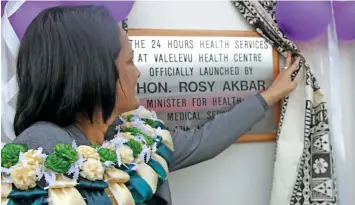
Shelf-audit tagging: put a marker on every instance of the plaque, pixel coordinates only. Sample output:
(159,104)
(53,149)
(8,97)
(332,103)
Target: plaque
(189,76)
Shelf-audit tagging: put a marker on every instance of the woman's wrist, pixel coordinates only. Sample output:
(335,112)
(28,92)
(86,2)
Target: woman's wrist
(270,97)
(262,101)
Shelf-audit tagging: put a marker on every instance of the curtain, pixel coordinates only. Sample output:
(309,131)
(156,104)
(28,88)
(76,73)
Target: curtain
(304,172)
(9,48)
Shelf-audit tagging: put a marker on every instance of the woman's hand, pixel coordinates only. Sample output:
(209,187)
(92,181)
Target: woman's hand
(283,84)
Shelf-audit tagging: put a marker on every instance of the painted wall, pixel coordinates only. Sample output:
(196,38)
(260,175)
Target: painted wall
(243,173)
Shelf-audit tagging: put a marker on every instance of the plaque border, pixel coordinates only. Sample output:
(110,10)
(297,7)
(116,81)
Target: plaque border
(221,33)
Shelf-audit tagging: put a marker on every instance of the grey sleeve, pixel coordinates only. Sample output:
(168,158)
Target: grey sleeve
(198,145)
(45,135)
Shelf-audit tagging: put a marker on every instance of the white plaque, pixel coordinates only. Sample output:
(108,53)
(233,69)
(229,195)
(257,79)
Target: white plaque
(188,80)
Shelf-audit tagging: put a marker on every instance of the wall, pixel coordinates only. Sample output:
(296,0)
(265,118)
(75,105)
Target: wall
(243,173)
(347,69)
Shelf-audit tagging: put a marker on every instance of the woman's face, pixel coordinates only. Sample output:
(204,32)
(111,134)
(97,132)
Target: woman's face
(126,98)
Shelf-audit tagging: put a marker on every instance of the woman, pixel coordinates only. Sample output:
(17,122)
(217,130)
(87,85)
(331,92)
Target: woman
(76,76)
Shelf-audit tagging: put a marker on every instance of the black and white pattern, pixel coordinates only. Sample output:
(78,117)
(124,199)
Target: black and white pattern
(315,183)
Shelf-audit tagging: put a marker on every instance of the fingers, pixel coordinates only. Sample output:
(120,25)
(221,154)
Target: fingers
(292,68)
(294,65)
(288,60)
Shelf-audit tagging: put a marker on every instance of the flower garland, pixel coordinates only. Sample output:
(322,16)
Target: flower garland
(125,170)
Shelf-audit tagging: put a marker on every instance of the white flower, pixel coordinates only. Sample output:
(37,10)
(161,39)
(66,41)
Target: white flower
(108,145)
(141,112)
(92,170)
(33,158)
(144,113)
(75,167)
(88,152)
(126,154)
(136,121)
(320,166)
(23,177)
(126,135)
(147,129)
(119,141)
(29,169)
(127,125)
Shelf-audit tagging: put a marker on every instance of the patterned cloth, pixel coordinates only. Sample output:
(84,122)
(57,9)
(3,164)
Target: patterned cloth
(304,166)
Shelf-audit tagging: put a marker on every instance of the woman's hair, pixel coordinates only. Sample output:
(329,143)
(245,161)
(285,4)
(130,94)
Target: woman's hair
(66,66)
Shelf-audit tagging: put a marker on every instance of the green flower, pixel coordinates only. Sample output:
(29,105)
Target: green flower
(149,140)
(67,152)
(133,130)
(129,117)
(57,163)
(107,155)
(64,155)
(149,122)
(135,146)
(136,131)
(95,146)
(10,154)
(155,123)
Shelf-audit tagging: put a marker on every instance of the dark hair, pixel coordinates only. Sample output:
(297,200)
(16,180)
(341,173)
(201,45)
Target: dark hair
(66,66)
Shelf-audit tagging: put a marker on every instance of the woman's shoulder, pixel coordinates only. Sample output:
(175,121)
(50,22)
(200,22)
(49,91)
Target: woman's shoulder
(43,134)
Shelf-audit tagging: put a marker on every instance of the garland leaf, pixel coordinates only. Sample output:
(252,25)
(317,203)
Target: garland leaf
(10,154)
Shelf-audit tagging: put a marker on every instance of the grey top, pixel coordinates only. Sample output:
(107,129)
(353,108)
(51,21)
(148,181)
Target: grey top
(191,147)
